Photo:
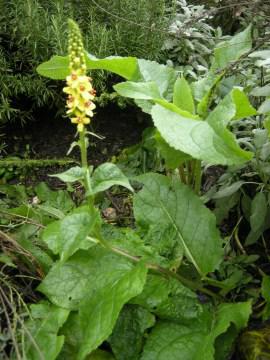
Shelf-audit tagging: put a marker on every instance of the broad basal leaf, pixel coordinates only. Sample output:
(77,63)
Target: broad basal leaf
(198,139)
(174,204)
(68,284)
(46,321)
(169,299)
(66,236)
(99,314)
(195,341)
(108,175)
(127,338)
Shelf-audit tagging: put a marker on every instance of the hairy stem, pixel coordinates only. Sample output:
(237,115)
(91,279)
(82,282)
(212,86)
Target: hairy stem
(87,179)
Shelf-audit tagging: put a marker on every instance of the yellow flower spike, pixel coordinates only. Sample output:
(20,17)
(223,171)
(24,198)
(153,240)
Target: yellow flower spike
(79,88)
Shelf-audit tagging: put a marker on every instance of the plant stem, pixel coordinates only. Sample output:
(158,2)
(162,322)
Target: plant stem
(87,179)
(182,174)
(165,272)
(197,176)
(83,149)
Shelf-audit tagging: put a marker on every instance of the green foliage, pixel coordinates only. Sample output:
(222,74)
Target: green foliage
(196,340)
(34,30)
(170,286)
(157,204)
(191,38)
(46,321)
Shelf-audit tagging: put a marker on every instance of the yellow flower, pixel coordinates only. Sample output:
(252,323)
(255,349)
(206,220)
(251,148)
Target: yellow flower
(79,88)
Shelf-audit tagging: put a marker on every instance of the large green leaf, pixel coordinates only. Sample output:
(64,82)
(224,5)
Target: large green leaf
(127,67)
(173,204)
(232,50)
(108,175)
(99,314)
(69,234)
(128,240)
(162,75)
(127,338)
(182,95)
(57,67)
(68,284)
(46,321)
(149,91)
(169,299)
(195,341)
(198,139)
(138,90)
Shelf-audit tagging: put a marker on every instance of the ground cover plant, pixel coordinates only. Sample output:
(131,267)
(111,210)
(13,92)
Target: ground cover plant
(171,285)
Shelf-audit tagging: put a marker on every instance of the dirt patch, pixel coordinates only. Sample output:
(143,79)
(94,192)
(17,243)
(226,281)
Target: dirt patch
(50,138)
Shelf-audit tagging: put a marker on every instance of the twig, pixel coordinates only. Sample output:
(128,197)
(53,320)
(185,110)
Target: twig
(9,325)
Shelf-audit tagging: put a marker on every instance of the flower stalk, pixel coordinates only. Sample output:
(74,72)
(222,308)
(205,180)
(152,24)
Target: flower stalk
(81,94)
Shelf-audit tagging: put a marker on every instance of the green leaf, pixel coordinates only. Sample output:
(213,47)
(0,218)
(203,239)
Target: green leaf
(197,138)
(232,50)
(73,174)
(266,295)
(127,67)
(46,321)
(169,299)
(172,157)
(6,260)
(228,190)
(60,199)
(264,54)
(182,95)
(68,284)
(265,107)
(138,90)
(261,91)
(108,175)
(234,105)
(127,338)
(69,234)
(128,240)
(148,91)
(195,341)
(99,314)
(242,105)
(56,68)
(173,204)
(164,76)
(258,211)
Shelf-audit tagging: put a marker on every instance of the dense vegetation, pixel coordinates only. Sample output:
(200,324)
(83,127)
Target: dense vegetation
(161,252)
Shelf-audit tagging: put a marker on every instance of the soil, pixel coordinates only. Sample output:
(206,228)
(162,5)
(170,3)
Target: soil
(50,138)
